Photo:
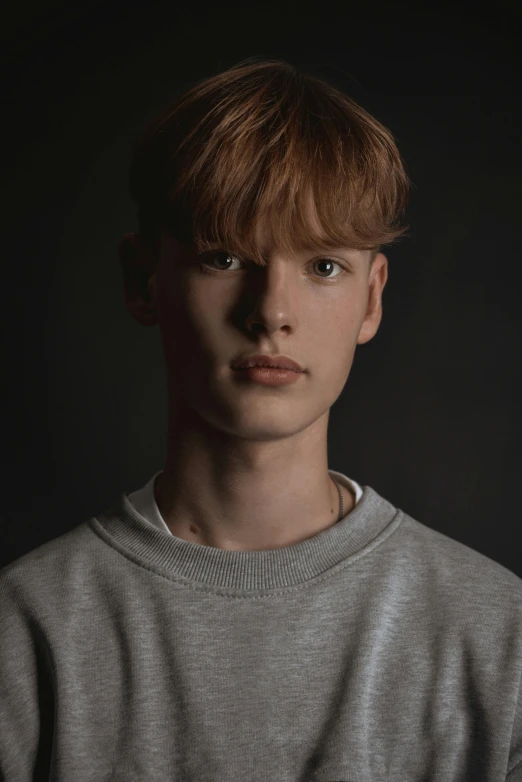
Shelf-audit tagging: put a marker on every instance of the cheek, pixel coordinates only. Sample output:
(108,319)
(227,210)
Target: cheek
(171,298)
(203,313)
(336,343)
(190,325)
(339,323)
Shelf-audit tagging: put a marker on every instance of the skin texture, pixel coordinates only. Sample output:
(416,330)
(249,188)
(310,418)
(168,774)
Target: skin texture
(246,466)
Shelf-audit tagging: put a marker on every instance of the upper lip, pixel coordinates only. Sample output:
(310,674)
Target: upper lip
(278,362)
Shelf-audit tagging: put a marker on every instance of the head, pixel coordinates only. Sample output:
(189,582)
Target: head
(285,190)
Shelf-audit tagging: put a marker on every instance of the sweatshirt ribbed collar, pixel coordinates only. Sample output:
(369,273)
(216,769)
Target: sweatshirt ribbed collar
(367,525)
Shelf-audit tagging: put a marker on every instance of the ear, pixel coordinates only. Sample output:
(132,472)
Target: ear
(138,266)
(376,283)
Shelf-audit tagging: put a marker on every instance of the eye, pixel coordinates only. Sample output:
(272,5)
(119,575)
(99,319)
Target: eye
(209,258)
(330,263)
(207,265)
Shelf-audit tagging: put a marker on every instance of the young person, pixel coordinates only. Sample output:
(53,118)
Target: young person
(249,613)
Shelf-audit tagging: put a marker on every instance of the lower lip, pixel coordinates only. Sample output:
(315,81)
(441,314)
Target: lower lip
(269,376)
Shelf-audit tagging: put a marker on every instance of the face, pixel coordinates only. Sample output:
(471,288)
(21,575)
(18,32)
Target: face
(313,308)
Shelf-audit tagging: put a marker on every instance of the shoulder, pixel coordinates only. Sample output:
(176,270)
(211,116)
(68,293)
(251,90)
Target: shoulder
(457,577)
(42,576)
(453,556)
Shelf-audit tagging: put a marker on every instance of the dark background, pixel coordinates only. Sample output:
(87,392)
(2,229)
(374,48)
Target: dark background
(430,415)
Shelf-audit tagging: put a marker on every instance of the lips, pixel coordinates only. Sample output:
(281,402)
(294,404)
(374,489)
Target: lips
(274,362)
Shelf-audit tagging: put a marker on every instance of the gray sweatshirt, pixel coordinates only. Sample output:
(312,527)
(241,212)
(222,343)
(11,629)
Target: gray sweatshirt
(379,649)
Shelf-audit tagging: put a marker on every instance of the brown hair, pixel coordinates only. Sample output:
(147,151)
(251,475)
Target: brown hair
(262,141)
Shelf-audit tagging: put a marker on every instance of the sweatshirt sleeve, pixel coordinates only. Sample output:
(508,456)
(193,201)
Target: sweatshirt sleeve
(26,692)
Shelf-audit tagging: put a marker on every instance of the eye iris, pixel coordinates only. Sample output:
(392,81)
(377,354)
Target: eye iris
(325,260)
(226,256)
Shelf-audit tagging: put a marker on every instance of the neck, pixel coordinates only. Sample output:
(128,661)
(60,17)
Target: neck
(246,495)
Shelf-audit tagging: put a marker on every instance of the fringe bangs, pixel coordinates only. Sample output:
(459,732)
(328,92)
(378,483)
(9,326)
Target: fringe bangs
(264,147)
